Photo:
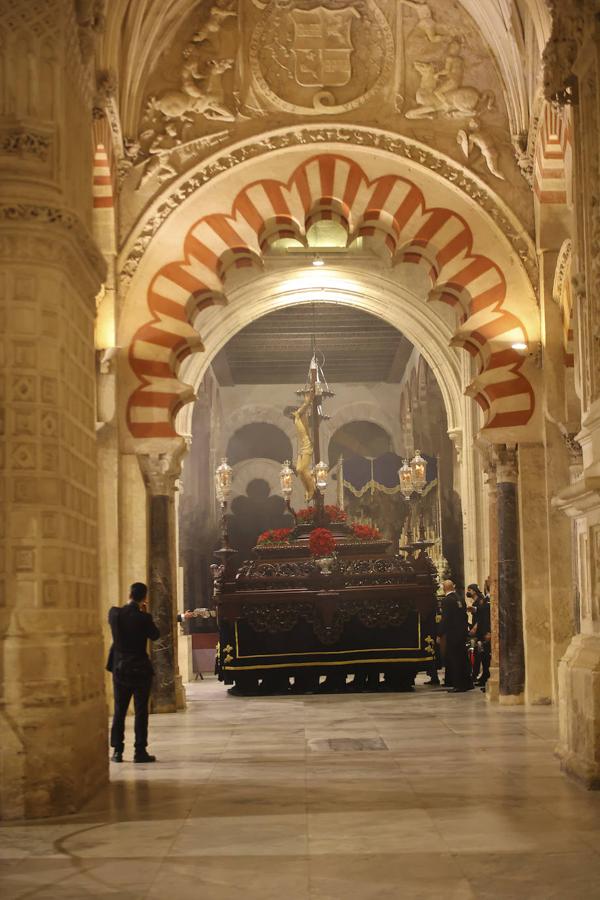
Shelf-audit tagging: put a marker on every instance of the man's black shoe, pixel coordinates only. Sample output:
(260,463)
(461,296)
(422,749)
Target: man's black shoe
(459,690)
(144,757)
(117,756)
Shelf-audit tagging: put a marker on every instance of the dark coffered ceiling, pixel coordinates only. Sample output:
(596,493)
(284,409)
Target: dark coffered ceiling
(276,349)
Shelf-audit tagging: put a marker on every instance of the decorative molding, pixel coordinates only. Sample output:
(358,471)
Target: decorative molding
(161,471)
(573,446)
(562,268)
(507,464)
(350,136)
(572,23)
(25,142)
(56,217)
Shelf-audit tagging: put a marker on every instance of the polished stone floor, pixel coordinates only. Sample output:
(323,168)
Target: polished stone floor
(366,796)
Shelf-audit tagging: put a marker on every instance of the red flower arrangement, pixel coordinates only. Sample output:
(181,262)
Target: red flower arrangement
(332,514)
(321,542)
(275,536)
(365,532)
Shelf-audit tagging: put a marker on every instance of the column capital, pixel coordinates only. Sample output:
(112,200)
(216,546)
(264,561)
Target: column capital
(162,469)
(506,463)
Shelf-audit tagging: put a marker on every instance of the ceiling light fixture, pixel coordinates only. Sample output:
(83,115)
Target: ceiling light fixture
(519,345)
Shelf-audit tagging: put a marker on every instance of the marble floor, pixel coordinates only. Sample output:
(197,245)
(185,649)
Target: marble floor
(354,797)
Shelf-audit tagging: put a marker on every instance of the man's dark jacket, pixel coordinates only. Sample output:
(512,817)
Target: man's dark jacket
(454,624)
(131,629)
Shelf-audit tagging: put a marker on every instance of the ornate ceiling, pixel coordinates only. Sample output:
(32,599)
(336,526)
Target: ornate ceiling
(276,348)
(139,33)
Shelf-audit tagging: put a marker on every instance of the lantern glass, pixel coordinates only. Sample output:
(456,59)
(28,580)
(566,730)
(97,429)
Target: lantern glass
(406,479)
(419,468)
(223,481)
(286,478)
(321,472)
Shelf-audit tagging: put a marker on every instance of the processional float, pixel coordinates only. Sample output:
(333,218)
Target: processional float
(326,597)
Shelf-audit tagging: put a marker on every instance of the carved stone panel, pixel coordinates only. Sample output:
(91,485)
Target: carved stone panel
(321,57)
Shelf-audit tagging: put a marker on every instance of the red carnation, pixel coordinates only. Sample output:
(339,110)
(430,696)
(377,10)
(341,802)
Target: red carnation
(275,536)
(365,532)
(321,542)
(334,513)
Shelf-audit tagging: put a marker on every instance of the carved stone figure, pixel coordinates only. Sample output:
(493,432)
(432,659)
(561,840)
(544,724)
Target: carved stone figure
(425,20)
(222,10)
(441,93)
(207,100)
(160,164)
(473,137)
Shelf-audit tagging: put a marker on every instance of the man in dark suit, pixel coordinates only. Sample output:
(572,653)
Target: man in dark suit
(453,630)
(482,630)
(132,626)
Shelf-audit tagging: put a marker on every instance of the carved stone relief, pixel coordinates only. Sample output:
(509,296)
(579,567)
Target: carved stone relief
(445,65)
(323,57)
(394,63)
(176,120)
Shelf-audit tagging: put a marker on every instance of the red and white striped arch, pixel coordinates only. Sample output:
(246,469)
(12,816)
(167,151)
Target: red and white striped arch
(389,210)
(552,156)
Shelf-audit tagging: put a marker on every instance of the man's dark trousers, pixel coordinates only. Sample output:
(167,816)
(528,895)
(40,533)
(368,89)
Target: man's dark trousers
(141,696)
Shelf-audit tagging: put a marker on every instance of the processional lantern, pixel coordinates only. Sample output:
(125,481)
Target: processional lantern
(413,475)
(321,473)
(286,479)
(419,471)
(223,481)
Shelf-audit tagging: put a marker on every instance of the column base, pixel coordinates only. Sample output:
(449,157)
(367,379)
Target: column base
(511,699)
(579,710)
(492,687)
(179,692)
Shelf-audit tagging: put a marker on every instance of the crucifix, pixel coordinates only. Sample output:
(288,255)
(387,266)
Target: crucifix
(311,470)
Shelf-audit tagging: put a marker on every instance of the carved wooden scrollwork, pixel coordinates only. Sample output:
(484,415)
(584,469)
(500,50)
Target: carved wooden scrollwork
(274,619)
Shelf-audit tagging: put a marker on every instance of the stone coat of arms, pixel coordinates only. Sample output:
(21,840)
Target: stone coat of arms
(322,57)
(322,46)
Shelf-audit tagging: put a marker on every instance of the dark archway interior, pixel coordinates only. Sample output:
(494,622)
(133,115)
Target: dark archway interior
(259,440)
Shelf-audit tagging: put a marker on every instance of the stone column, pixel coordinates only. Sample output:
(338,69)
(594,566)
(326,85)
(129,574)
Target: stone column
(53,715)
(161,471)
(572,76)
(493,686)
(510,613)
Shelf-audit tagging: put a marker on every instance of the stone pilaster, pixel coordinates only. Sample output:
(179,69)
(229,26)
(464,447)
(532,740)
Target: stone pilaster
(572,75)
(53,749)
(579,670)
(510,613)
(492,690)
(161,472)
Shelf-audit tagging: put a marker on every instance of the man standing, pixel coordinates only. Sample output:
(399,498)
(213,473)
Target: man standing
(482,630)
(454,632)
(132,626)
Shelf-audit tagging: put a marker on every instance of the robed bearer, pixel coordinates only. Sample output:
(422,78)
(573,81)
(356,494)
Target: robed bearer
(132,626)
(454,633)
